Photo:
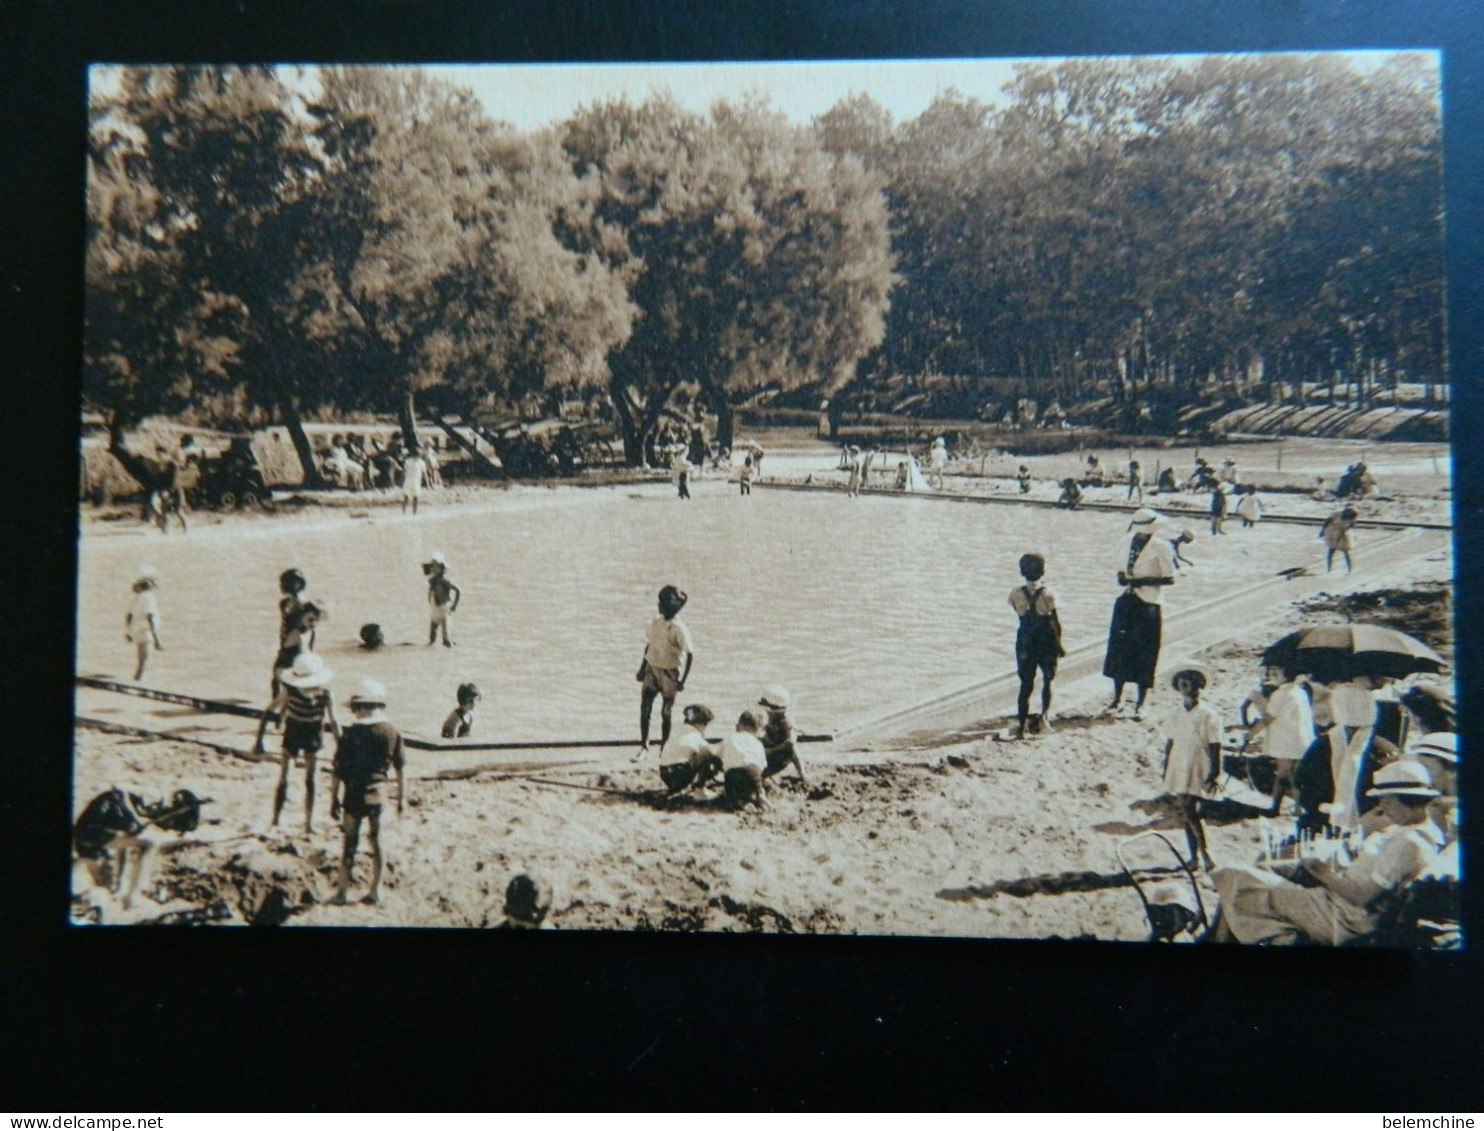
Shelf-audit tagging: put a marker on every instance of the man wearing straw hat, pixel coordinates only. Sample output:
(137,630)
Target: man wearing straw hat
(1334,900)
(303,706)
(369,748)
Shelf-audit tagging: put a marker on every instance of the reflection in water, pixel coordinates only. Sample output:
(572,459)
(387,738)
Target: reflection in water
(856,606)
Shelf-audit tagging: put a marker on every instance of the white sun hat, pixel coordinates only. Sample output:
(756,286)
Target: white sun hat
(308,671)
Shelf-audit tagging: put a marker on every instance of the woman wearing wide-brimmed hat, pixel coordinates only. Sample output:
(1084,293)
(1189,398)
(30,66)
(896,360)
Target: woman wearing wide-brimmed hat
(1340,898)
(1146,566)
(303,706)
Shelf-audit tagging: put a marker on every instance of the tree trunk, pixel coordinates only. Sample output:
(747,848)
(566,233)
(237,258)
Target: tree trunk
(633,438)
(479,457)
(302,448)
(726,419)
(407,418)
(143,470)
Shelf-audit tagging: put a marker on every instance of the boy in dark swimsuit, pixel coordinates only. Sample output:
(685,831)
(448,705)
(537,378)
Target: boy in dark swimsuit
(369,748)
(1037,641)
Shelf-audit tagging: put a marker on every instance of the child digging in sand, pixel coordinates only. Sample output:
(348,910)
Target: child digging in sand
(778,739)
(303,706)
(142,621)
(688,760)
(368,749)
(743,761)
(1037,641)
(443,599)
(1192,758)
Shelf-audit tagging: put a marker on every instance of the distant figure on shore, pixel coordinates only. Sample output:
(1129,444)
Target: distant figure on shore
(1038,644)
(1166,482)
(1335,534)
(938,463)
(1228,473)
(1135,482)
(302,707)
(171,494)
(1023,479)
(744,477)
(688,760)
(142,621)
(680,468)
(1146,566)
(527,903)
(1218,508)
(1249,506)
(1192,759)
(1184,538)
(778,738)
(443,598)
(666,664)
(1094,476)
(866,461)
(369,749)
(743,761)
(1071,494)
(852,458)
(413,470)
(460,720)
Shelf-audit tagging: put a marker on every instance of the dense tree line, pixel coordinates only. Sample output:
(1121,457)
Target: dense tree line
(368,239)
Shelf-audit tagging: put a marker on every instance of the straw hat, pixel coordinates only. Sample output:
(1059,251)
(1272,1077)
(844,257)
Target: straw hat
(368,693)
(1408,779)
(1144,516)
(775,697)
(1442,745)
(1191,669)
(308,671)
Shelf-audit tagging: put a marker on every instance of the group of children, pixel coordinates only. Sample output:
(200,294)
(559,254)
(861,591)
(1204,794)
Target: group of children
(757,748)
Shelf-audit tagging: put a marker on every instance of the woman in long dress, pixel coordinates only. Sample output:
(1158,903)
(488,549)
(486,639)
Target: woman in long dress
(1145,566)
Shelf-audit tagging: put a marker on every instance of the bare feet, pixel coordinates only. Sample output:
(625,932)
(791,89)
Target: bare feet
(371,899)
(338,899)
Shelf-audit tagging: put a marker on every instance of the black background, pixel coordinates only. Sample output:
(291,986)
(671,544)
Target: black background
(386,1020)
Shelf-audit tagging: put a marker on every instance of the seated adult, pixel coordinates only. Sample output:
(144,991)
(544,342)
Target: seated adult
(1438,754)
(1332,901)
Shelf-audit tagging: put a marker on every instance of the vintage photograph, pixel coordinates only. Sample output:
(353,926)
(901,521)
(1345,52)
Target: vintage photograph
(997,498)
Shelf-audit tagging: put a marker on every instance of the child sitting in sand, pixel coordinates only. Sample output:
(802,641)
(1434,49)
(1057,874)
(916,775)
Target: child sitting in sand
(688,759)
(142,621)
(460,720)
(368,749)
(1192,759)
(743,761)
(303,707)
(1071,494)
(443,599)
(527,903)
(779,742)
(1037,641)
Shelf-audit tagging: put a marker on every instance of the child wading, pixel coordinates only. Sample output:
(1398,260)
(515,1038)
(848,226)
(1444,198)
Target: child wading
(1192,758)
(443,599)
(369,748)
(460,720)
(1037,641)
(291,584)
(303,707)
(779,741)
(668,654)
(142,621)
(1336,535)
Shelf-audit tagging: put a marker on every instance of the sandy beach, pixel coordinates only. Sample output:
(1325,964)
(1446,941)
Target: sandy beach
(960,834)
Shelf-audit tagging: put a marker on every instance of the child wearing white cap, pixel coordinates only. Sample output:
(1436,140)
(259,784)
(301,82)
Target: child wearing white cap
(303,706)
(780,744)
(142,621)
(368,750)
(1192,759)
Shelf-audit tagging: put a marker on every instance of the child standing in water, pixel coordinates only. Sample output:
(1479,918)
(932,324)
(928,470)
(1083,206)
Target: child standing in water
(303,706)
(1218,508)
(1192,758)
(744,477)
(368,750)
(142,621)
(460,720)
(1037,640)
(665,666)
(443,599)
(291,586)
(1023,478)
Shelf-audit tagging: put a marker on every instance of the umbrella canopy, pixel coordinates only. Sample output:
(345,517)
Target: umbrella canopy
(1344,650)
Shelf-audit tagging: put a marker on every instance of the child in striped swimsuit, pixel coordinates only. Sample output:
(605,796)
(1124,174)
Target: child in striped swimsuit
(303,705)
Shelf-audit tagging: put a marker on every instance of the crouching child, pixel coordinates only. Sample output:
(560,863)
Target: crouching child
(368,749)
(743,761)
(688,760)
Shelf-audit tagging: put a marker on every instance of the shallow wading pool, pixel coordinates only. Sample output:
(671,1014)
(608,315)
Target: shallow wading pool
(857,606)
